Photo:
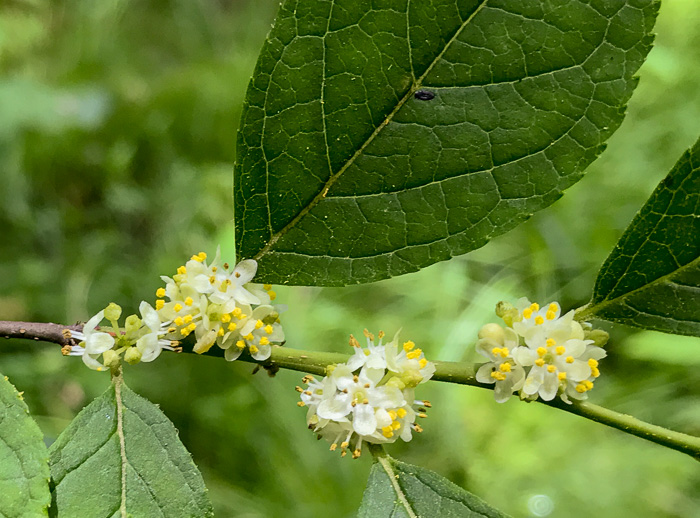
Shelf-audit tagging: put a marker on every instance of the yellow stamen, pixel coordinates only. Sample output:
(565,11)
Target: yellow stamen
(272,295)
(264,340)
(560,350)
(160,303)
(414,355)
(553,307)
(539,362)
(267,287)
(259,324)
(551,342)
(396,425)
(527,313)
(504,352)
(253,349)
(189,301)
(202,255)
(569,359)
(160,292)
(269,329)
(496,351)
(232,326)
(561,376)
(249,336)
(236,312)
(550,315)
(392,414)
(178,321)
(504,367)
(423,362)
(182,270)
(592,363)
(225,318)
(177,307)
(240,344)
(408,346)
(551,369)
(220,332)
(539,320)
(541,351)
(401,413)
(212,279)
(187,319)
(498,376)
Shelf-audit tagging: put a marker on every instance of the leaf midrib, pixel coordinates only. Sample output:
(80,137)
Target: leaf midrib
(592,310)
(334,177)
(393,479)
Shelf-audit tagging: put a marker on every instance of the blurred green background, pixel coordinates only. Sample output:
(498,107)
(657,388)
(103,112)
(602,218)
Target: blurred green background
(117,132)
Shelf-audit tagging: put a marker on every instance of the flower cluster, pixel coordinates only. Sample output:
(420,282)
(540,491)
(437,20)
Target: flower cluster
(539,352)
(214,303)
(370,398)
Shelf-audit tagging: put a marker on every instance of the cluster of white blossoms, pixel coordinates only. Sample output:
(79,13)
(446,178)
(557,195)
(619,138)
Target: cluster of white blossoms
(539,352)
(370,398)
(215,304)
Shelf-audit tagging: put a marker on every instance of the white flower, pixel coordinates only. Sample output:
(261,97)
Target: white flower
(497,344)
(363,400)
(540,353)
(410,364)
(93,343)
(151,344)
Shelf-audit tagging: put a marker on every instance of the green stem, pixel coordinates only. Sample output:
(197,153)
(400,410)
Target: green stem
(463,374)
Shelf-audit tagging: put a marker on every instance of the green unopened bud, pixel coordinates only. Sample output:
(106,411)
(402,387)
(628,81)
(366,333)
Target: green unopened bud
(113,312)
(599,337)
(411,378)
(111,358)
(271,318)
(133,324)
(132,356)
(394,381)
(507,312)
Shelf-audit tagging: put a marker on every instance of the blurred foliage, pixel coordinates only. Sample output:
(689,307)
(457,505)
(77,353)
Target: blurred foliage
(117,133)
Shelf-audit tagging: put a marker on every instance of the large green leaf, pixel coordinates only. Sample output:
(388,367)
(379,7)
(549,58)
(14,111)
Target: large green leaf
(652,277)
(24,468)
(401,490)
(382,136)
(122,457)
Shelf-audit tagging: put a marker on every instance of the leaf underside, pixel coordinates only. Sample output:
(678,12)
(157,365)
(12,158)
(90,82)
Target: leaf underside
(652,277)
(89,466)
(379,137)
(399,490)
(24,468)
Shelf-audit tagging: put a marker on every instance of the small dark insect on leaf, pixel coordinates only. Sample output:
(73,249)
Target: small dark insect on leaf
(424,95)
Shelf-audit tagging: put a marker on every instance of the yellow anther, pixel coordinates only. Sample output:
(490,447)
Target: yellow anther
(592,363)
(195,258)
(264,340)
(535,306)
(527,313)
(333,446)
(202,255)
(240,344)
(561,376)
(160,303)
(182,270)
(541,351)
(551,369)
(387,429)
(551,315)
(187,319)
(553,307)
(232,326)
(220,332)
(423,362)
(192,326)
(388,435)
(172,329)
(504,352)
(569,359)
(267,287)
(539,362)
(560,350)
(178,321)
(269,329)
(189,301)
(253,349)
(401,412)
(414,355)
(272,295)
(408,346)
(236,312)
(177,307)
(185,331)
(551,342)
(539,320)
(214,269)
(259,324)
(498,376)
(588,384)
(504,367)
(496,351)
(392,414)
(225,318)
(160,292)
(212,279)
(580,388)
(249,336)
(595,372)
(396,425)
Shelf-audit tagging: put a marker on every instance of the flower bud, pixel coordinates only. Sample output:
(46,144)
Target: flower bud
(599,337)
(132,324)
(507,312)
(492,332)
(113,312)
(111,358)
(132,356)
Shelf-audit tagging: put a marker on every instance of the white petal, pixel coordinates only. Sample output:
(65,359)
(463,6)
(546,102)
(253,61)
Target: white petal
(335,408)
(93,363)
(232,353)
(150,316)
(483,375)
(364,422)
(246,270)
(98,343)
(149,347)
(264,352)
(91,324)
(550,386)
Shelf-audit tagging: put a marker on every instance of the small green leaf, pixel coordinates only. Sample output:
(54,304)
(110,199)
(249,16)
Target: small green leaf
(379,137)
(401,490)
(24,468)
(652,277)
(121,456)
